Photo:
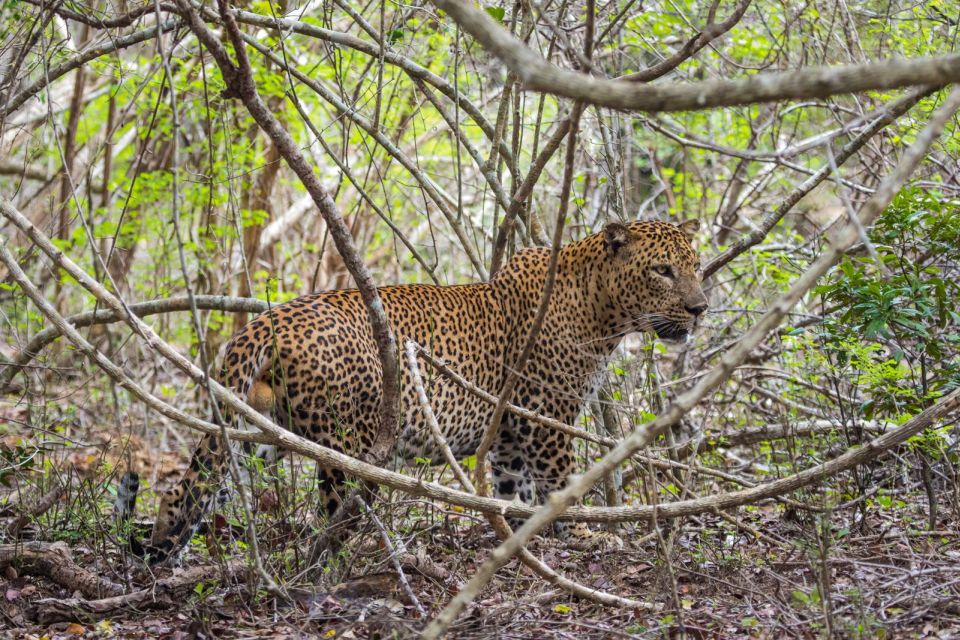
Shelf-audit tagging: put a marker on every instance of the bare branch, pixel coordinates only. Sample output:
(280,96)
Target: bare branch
(516,368)
(108,316)
(52,560)
(523,193)
(163,593)
(710,33)
(11,168)
(816,82)
(756,236)
(240,84)
(78,61)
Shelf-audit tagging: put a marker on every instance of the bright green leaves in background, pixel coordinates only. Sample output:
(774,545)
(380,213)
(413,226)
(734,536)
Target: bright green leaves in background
(900,322)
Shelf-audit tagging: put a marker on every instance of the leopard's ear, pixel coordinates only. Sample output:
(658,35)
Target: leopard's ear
(689,228)
(615,236)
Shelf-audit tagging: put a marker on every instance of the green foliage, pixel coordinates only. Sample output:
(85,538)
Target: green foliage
(900,321)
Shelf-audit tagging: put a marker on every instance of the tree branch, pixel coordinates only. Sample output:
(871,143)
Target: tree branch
(240,84)
(756,235)
(108,316)
(815,82)
(710,33)
(78,61)
(52,560)
(163,593)
(523,193)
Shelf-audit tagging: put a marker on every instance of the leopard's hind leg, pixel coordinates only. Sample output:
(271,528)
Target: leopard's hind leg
(183,506)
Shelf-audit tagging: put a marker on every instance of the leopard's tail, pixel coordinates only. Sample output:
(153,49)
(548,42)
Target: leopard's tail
(182,508)
(124,508)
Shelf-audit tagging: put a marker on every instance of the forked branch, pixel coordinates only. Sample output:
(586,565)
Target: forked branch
(816,82)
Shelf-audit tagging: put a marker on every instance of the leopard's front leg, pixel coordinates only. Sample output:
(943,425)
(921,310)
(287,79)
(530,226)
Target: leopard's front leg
(549,456)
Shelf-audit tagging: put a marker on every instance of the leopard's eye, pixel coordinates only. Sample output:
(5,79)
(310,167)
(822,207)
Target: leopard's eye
(664,270)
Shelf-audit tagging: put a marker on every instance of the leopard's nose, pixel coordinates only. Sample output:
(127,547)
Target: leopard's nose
(697,309)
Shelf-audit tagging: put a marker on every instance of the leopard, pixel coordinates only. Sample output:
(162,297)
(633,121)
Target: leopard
(312,365)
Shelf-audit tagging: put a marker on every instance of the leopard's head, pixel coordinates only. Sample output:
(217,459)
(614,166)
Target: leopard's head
(652,277)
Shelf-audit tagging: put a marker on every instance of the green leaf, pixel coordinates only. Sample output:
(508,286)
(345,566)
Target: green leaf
(497,13)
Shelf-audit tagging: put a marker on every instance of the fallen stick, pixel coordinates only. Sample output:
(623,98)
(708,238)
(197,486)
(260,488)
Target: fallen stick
(54,560)
(164,593)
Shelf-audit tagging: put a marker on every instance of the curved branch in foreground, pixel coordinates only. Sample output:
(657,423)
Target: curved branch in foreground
(560,501)
(232,304)
(815,82)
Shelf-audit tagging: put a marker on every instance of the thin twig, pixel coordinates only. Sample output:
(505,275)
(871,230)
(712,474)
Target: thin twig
(755,237)
(711,32)
(516,370)
(394,558)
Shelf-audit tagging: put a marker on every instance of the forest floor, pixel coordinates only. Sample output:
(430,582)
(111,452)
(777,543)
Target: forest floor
(758,573)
